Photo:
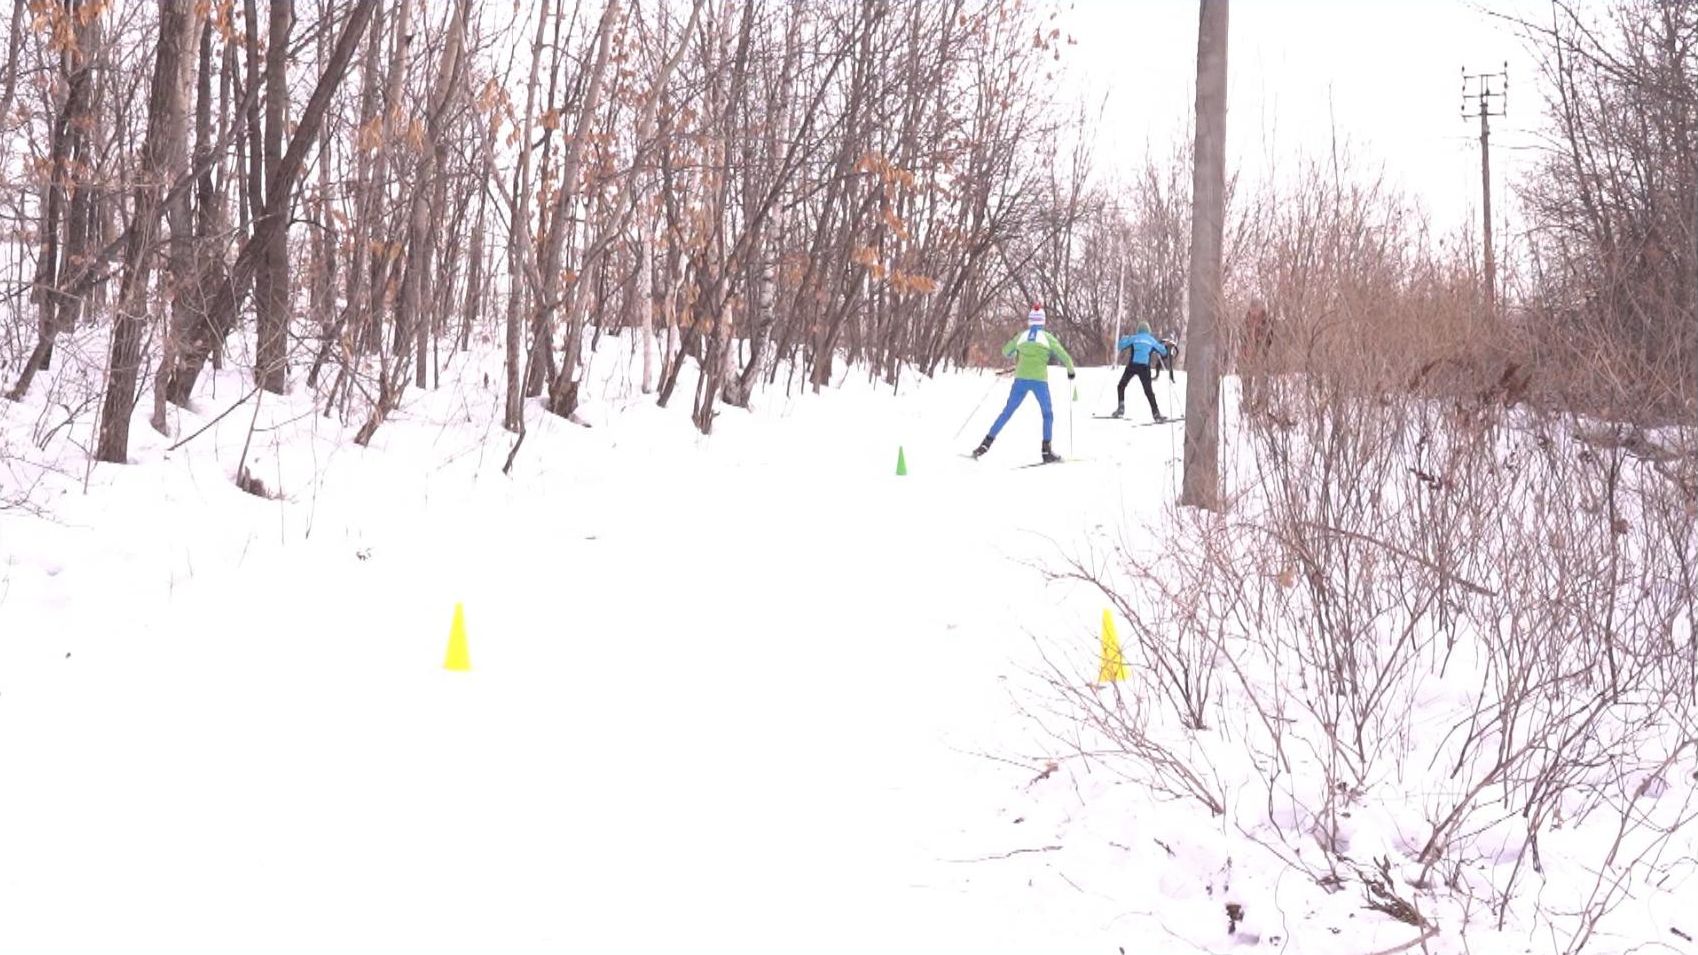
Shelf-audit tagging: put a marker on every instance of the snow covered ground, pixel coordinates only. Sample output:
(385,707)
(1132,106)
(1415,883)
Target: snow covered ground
(753,692)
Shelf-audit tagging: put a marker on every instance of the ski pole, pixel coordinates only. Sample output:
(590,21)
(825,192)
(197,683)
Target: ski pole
(1103,388)
(975,412)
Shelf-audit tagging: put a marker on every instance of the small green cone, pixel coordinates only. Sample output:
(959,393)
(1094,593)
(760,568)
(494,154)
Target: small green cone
(1075,392)
(901,462)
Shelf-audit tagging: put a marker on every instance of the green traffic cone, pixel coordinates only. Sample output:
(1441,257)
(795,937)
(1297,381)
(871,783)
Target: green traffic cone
(901,462)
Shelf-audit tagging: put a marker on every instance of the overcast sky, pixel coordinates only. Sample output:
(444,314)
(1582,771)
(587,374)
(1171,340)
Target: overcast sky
(1385,73)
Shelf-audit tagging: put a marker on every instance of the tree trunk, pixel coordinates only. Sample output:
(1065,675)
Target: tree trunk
(350,324)
(190,229)
(271,281)
(562,400)
(1201,485)
(519,243)
(645,299)
(162,157)
(252,140)
(475,266)
(324,270)
(427,193)
(102,200)
(14,39)
(229,293)
(369,337)
(65,209)
(646,126)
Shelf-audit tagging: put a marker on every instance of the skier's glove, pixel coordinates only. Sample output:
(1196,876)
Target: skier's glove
(1070,375)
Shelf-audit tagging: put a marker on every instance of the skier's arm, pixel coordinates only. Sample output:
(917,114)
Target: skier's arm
(1055,345)
(1158,346)
(1008,349)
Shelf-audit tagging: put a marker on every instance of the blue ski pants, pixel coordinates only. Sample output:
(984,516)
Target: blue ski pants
(1017,394)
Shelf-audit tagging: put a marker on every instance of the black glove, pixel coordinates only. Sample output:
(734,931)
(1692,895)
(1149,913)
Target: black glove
(1070,374)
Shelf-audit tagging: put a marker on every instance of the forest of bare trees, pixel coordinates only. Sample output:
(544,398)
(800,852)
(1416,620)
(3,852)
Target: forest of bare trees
(379,185)
(751,189)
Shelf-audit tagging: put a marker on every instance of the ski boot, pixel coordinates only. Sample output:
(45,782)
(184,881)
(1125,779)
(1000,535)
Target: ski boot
(983,446)
(1119,410)
(1156,413)
(1049,456)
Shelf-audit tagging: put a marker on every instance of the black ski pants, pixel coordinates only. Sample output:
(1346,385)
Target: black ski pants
(1143,373)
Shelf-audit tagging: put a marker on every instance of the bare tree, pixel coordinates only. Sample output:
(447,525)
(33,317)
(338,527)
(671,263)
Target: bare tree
(14,39)
(271,277)
(1615,199)
(520,262)
(163,156)
(64,229)
(550,297)
(199,344)
(752,189)
(194,217)
(412,324)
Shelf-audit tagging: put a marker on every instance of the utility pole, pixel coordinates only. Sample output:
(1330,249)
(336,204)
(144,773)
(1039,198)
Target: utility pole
(1201,482)
(1119,291)
(1486,87)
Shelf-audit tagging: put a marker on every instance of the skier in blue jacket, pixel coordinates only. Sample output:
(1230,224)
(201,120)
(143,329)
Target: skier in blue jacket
(1142,343)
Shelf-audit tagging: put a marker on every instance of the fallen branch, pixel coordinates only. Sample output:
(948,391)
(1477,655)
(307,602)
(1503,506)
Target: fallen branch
(507,468)
(1006,855)
(221,414)
(1419,940)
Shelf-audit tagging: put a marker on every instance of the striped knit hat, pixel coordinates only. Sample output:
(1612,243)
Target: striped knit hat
(1036,316)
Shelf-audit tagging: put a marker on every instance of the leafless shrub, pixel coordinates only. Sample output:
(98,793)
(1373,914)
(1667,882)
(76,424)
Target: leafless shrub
(1459,561)
(1389,551)
(1113,723)
(1614,205)
(1178,621)
(19,479)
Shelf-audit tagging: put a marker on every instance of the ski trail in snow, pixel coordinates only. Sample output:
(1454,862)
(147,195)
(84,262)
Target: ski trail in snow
(725,694)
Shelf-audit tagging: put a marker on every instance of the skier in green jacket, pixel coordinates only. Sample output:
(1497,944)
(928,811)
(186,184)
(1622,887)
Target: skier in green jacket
(1032,350)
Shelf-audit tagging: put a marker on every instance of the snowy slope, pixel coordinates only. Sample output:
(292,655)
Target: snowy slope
(754,692)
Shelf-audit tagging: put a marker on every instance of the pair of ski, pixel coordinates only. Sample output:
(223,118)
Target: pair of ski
(1107,417)
(1034,464)
(1136,424)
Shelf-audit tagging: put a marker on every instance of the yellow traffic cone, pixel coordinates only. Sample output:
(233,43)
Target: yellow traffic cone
(1113,667)
(458,659)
